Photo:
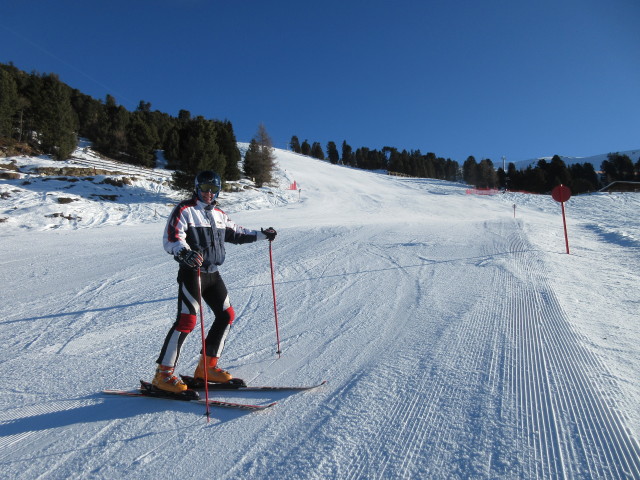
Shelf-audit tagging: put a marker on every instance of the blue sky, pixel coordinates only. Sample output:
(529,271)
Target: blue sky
(487,78)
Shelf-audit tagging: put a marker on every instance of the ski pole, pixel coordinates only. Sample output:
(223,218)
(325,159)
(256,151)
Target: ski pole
(273,288)
(204,347)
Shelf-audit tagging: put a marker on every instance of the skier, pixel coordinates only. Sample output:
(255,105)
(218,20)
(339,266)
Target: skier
(195,235)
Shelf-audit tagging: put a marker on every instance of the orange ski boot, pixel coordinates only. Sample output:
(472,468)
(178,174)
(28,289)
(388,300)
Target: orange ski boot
(214,374)
(167,381)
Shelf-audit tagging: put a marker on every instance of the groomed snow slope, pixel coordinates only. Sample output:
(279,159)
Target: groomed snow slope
(458,341)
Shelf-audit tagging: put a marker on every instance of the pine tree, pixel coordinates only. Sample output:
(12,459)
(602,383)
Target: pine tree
(618,167)
(259,161)
(513,178)
(535,179)
(347,153)
(229,148)
(198,151)
(88,111)
(358,157)
(162,124)
(111,132)
(429,166)
(470,170)
(8,103)
(171,147)
(452,169)
(56,121)
(141,141)
(487,177)
(394,160)
(305,148)
(316,151)
(252,160)
(332,153)
(583,178)
(294,144)
(557,173)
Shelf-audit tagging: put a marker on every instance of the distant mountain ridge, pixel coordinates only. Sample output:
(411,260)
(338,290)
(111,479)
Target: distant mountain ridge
(595,160)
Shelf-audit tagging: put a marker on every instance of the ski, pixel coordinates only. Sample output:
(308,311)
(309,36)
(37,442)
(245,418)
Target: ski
(197,384)
(148,390)
(237,384)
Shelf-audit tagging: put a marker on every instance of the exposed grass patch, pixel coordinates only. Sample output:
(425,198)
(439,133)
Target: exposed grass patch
(9,175)
(111,198)
(119,182)
(73,171)
(62,215)
(10,166)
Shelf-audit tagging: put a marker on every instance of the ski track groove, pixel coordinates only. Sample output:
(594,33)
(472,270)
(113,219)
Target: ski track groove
(503,389)
(593,435)
(536,361)
(52,322)
(418,419)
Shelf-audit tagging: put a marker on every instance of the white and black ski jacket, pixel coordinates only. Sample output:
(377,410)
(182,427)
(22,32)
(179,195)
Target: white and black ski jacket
(204,228)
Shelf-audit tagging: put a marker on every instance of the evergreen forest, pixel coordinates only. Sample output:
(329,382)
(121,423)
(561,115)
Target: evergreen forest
(541,178)
(40,113)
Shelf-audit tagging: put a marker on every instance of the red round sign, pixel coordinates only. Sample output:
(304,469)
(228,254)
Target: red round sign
(561,193)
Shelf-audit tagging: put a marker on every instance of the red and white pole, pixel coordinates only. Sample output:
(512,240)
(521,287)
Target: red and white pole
(564,222)
(273,289)
(204,348)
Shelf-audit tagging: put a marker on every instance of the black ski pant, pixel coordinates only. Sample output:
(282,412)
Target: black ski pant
(214,294)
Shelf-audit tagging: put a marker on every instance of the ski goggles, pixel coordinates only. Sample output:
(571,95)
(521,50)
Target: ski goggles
(209,187)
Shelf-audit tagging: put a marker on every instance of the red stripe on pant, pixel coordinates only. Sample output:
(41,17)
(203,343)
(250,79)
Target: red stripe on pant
(232,314)
(186,323)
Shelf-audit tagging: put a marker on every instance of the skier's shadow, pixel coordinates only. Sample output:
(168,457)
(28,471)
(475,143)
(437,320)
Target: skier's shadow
(105,410)
(89,310)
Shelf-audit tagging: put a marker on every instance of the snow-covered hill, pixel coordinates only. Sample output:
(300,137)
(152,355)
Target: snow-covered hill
(89,191)
(458,337)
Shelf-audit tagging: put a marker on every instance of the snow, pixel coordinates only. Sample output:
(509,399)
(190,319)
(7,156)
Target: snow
(459,339)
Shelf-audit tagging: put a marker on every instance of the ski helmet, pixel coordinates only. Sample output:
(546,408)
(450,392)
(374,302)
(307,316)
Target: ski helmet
(208,181)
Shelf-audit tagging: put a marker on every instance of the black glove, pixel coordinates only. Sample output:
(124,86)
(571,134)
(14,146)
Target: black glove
(190,258)
(270,233)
